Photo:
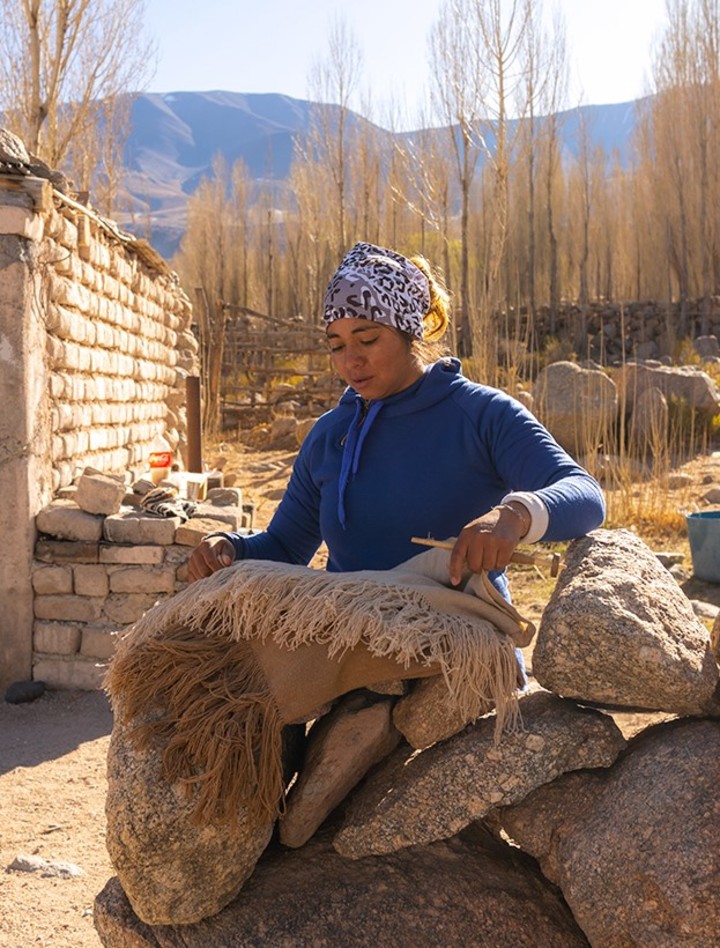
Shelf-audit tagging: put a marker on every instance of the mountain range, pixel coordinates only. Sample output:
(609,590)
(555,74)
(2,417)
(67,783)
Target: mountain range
(175,137)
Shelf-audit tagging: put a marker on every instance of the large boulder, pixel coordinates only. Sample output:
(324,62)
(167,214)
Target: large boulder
(648,427)
(470,890)
(618,630)
(174,869)
(636,848)
(417,797)
(682,385)
(578,406)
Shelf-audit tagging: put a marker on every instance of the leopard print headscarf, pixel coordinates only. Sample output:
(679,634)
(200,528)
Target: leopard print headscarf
(374,283)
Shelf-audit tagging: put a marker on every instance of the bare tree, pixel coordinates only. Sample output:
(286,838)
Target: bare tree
(458,94)
(333,80)
(207,261)
(429,194)
(680,142)
(476,48)
(585,206)
(66,67)
(545,72)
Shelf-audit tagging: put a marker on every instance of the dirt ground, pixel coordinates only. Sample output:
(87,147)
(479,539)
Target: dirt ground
(52,765)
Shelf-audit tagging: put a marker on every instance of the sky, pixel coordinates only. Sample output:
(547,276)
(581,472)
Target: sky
(271,45)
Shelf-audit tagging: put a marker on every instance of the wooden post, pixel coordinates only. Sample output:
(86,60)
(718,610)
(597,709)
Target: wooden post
(194,424)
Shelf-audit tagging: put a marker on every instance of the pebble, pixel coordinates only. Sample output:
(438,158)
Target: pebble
(21,691)
(704,610)
(46,868)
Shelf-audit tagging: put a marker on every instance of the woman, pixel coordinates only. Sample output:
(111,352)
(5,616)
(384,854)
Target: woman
(413,448)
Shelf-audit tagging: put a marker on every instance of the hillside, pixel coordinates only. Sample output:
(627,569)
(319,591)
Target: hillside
(175,137)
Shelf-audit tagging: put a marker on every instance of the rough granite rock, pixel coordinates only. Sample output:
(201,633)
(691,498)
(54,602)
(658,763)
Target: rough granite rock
(425,716)
(578,405)
(678,383)
(342,747)
(618,630)
(173,870)
(12,148)
(470,890)
(429,795)
(635,849)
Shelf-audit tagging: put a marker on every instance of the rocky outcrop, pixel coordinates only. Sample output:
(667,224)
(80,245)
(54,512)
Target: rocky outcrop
(618,630)
(621,824)
(635,848)
(418,798)
(470,890)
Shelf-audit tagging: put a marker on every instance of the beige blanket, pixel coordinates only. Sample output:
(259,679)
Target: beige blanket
(219,669)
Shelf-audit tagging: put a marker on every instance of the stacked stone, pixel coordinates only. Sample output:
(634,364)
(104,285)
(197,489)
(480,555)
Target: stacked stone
(607,331)
(405,819)
(119,346)
(100,563)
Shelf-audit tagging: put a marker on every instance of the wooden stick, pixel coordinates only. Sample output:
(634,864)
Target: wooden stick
(518,556)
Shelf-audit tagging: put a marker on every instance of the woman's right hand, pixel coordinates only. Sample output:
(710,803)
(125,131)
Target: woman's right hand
(212,554)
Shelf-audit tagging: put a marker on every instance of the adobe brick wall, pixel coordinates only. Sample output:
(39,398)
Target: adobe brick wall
(87,592)
(95,347)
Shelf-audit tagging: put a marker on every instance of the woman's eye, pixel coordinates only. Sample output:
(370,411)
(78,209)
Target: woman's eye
(368,342)
(335,349)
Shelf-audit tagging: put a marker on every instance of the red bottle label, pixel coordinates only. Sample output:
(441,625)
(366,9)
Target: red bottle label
(161,459)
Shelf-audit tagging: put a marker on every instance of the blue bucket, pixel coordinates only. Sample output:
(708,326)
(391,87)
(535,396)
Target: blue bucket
(704,535)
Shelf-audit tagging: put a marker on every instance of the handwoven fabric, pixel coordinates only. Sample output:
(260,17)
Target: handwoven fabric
(199,670)
(165,502)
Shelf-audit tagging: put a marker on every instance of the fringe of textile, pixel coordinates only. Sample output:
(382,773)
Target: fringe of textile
(190,659)
(294,605)
(218,721)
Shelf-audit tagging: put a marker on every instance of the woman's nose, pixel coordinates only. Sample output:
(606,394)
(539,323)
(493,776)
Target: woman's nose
(354,354)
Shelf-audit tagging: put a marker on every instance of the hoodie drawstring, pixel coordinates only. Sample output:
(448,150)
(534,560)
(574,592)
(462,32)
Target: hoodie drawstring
(357,433)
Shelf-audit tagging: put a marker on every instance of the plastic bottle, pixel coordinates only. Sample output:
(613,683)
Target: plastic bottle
(161,458)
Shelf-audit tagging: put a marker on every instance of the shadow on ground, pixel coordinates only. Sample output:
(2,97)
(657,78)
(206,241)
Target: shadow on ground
(51,726)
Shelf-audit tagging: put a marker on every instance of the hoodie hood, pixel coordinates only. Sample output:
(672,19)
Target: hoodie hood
(436,383)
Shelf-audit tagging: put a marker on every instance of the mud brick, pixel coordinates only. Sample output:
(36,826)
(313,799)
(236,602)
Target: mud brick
(66,551)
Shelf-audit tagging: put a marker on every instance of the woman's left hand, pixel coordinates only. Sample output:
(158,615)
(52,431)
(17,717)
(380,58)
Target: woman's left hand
(487,543)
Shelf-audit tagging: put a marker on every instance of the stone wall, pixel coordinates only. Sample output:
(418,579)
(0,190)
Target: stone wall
(95,346)
(94,574)
(609,331)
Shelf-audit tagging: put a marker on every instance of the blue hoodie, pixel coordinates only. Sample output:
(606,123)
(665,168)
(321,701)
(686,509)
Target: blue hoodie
(423,462)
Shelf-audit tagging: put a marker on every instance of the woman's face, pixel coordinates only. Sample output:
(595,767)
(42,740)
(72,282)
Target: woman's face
(373,359)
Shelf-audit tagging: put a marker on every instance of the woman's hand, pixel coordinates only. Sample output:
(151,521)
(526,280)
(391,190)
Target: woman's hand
(212,554)
(487,542)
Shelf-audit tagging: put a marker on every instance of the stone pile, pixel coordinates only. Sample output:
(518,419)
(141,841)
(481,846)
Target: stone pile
(101,561)
(595,822)
(587,408)
(609,331)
